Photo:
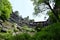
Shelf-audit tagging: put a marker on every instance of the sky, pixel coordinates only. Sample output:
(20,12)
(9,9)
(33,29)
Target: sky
(26,8)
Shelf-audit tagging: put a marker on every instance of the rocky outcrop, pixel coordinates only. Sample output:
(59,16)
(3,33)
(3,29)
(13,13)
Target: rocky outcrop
(6,26)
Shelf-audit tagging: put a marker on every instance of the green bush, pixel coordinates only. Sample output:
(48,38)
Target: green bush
(27,29)
(23,36)
(51,32)
(43,35)
(5,36)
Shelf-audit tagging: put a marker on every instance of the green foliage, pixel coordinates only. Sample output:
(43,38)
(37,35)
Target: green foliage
(51,32)
(23,36)
(57,2)
(36,2)
(52,17)
(27,29)
(15,27)
(40,7)
(38,27)
(43,35)
(5,36)
(5,9)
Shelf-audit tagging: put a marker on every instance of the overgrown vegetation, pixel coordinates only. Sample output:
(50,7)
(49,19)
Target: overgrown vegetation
(5,9)
(10,31)
(51,32)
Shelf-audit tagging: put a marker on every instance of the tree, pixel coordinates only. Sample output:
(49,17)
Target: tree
(52,17)
(5,9)
(43,5)
(17,13)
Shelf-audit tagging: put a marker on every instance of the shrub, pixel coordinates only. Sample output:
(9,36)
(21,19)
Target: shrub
(23,36)
(5,36)
(51,32)
(27,29)
(43,35)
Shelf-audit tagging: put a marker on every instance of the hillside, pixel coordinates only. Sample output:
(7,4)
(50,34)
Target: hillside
(50,32)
